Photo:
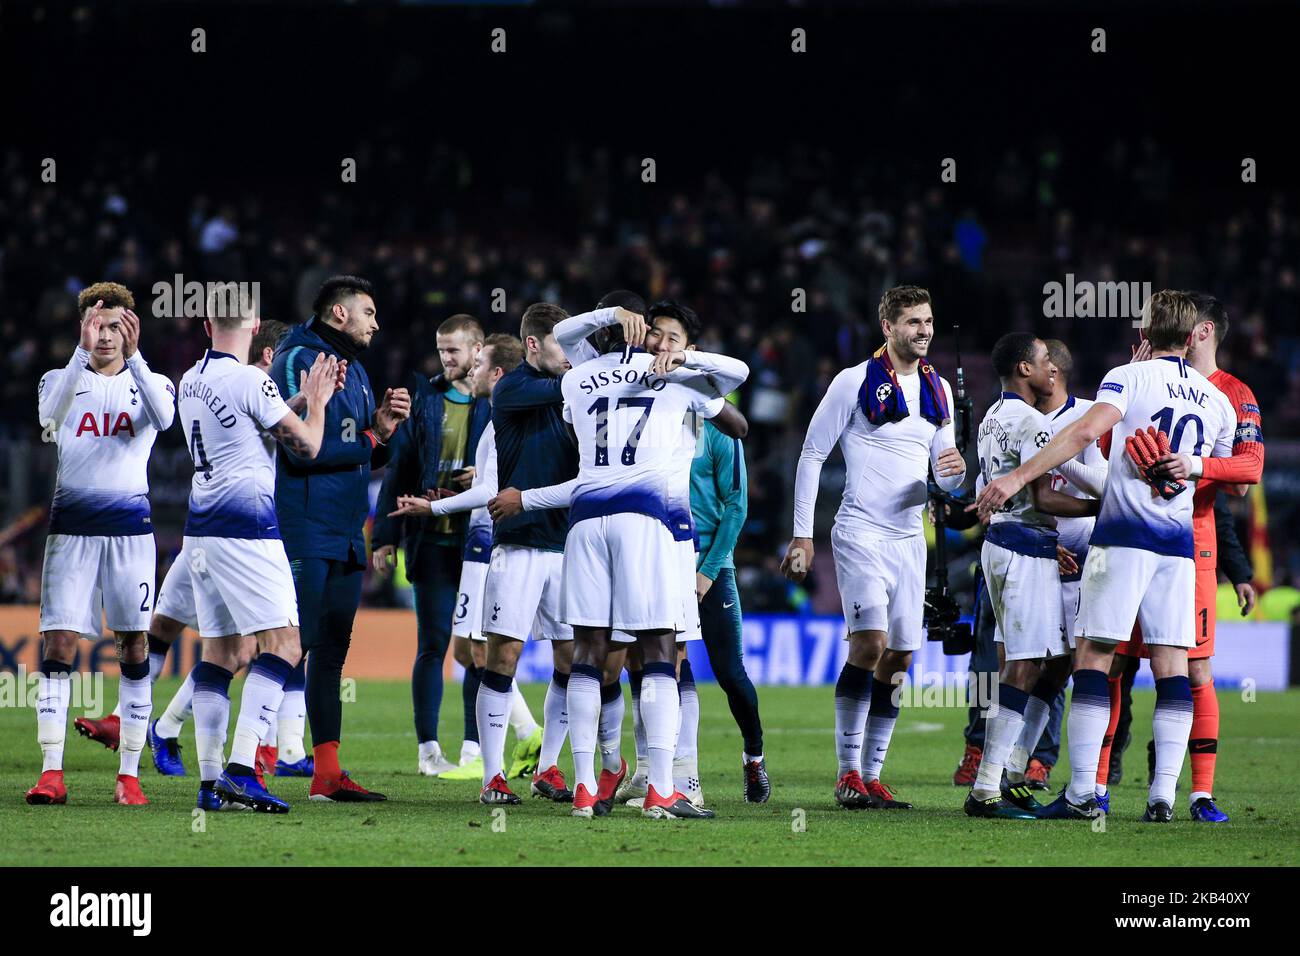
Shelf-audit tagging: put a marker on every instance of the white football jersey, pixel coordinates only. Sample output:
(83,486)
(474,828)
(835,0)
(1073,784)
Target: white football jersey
(104,439)
(1175,398)
(886,466)
(1011,433)
(226,408)
(1075,532)
(631,431)
(478,533)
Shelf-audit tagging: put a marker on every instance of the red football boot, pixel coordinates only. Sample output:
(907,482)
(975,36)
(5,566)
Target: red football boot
(498,793)
(851,792)
(883,797)
(964,775)
(128,792)
(49,789)
(106,730)
(342,790)
(550,785)
(675,806)
(606,787)
(584,802)
(264,763)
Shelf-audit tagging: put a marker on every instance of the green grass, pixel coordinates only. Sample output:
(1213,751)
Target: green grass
(427,822)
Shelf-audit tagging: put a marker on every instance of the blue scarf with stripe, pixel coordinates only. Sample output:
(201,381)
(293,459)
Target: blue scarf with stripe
(881,400)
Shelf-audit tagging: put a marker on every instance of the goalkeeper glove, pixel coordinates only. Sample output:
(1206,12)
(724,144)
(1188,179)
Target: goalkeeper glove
(1144,449)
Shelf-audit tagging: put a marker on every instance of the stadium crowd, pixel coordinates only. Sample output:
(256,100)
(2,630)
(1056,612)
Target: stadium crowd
(734,244)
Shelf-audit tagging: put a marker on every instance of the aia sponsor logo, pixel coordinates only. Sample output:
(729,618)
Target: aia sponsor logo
(90,424)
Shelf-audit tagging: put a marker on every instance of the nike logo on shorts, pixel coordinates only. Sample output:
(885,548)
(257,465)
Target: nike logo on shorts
(725,606)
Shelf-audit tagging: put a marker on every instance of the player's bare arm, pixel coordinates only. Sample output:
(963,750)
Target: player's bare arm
(302,437)
(415,505)
(798,559)
(396,408)
(508,503)
(731,422)
(950,463)
(298,404)
(633,325)
(1058,503)
(1068,442)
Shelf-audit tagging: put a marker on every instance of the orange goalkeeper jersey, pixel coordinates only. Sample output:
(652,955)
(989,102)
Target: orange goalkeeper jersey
(1244,467)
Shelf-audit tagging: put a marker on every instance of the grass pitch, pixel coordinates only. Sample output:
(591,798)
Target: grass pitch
(430,822)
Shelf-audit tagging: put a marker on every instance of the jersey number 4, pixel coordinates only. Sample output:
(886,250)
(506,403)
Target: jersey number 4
(201,462)
(600,408)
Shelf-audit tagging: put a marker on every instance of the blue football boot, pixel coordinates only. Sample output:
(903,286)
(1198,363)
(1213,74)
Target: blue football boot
(1205,811)
(209,800)
(1062,809)
(244,789)
(305,767)
(166,753)
(1103,801)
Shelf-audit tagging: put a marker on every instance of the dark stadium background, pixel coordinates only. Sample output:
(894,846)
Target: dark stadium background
(775,170)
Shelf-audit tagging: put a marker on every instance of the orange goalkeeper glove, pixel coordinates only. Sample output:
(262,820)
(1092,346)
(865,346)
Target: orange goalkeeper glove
(1144,449)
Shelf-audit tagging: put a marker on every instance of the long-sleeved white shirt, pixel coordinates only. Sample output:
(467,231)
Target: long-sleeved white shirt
(887,466)
(105,429)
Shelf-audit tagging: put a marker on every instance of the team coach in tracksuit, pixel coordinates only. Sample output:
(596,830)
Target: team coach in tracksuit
(322,506)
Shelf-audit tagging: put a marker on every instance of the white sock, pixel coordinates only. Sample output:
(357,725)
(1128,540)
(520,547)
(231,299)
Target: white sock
(270,738)
(1036,713)
(136,697)
(584,724)
(1085,729)
(178,710)
(638,727)
(611,730)
(1001,732)
(521,718)
(555,722)
(1171,726)
(660,710)
(291,724)
(490,708)
(211,718)
(852,700)
(880,730)
(55,691)
(263,692)
(156,662)
(750,758)
(685,757)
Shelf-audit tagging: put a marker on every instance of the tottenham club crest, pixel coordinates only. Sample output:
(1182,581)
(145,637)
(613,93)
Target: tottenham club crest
(883,392)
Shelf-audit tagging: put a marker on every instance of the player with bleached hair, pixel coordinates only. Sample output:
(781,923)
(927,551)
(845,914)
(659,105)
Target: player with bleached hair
(104,409)
(233,416)
(1140,564)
